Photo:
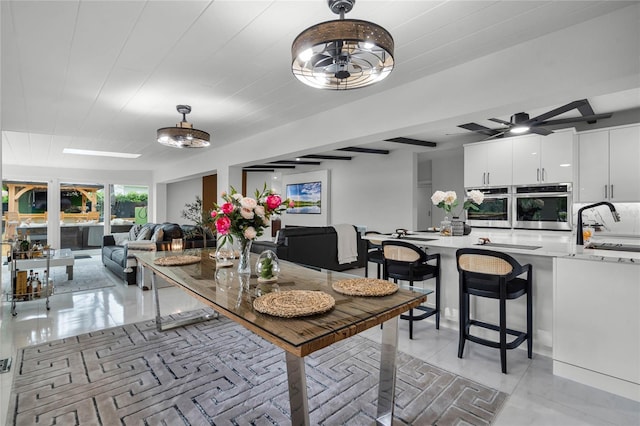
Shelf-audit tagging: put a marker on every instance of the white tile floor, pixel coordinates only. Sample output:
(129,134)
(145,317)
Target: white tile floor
(536,396)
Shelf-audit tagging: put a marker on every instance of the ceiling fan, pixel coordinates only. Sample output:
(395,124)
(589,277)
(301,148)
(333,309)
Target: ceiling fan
(521,123)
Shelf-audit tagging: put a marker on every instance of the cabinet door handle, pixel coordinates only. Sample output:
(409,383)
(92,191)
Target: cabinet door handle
(542,174)
(538,175)
(483,176)
(605,192)
(611,191)
(488,178)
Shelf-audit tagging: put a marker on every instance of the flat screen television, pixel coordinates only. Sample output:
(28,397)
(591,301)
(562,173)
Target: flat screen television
(306,198)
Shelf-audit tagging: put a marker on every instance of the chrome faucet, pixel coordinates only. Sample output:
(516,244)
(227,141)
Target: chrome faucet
(614,213)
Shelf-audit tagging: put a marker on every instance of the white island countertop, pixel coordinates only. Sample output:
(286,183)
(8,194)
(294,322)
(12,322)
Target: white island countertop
(531,242)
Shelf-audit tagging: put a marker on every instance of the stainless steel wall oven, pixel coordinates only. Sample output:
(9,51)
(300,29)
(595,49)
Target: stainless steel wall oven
(542,207)
(495,211)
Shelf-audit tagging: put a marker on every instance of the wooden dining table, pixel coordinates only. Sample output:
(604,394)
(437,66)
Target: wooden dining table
(231,295)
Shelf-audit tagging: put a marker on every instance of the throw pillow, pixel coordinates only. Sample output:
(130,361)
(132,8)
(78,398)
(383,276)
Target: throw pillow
(145,234)
(133,232)
(158,234)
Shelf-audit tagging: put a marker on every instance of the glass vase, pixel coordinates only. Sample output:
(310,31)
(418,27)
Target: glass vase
(445,227)
(244,265)
(224,252)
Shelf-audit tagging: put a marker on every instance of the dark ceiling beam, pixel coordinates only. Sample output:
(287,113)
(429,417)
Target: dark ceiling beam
(270,166)
(301,162)
(258,170)
(364,150)
(410,141)
(326,157)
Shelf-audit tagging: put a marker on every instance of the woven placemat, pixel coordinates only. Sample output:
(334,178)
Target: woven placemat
(177,260)
(365,287)
(294,303)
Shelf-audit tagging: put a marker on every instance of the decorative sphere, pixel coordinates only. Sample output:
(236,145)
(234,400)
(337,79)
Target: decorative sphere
(267,266)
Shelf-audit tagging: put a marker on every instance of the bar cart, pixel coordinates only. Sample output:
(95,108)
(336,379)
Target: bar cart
(21,291)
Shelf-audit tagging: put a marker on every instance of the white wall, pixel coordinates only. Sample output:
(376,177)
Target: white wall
(375,191)
(256,180)
(448,175)
(178,195)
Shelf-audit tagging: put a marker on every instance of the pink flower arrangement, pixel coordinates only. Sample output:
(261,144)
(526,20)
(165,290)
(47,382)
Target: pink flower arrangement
(245,217)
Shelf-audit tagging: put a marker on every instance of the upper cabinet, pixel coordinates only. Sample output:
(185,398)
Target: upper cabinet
(488,164)
(609,165)
(543,159)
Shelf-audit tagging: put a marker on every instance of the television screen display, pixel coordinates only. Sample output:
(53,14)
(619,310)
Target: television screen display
(306,198)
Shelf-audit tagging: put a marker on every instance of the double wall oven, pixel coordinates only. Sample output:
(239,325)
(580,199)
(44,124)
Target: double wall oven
(545,207)
(495,211)
(542,207)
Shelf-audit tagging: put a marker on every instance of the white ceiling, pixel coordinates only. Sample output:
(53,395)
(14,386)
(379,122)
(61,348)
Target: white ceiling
(106,74)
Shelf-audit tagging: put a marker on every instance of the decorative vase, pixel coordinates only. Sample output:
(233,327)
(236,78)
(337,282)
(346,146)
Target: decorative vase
(224,253)
(244,266)
(457,227)
(445,227)
(267,267)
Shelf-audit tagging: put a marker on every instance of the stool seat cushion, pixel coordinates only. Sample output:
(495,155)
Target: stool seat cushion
(515,288)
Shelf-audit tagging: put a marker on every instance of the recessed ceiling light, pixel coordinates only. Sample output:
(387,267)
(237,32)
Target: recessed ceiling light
(99,153)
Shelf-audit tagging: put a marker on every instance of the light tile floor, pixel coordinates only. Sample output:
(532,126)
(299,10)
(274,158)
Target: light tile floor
(536,396)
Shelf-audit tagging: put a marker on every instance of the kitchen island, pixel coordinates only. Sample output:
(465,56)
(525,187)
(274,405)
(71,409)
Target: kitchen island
(586,303)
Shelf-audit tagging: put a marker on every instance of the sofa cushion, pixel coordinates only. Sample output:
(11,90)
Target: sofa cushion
(171,231)
(158,234)
(134,231)
(144,234)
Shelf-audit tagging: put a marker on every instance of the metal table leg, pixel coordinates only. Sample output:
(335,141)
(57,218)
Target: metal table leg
(168,325)
(298,400)
(386,388)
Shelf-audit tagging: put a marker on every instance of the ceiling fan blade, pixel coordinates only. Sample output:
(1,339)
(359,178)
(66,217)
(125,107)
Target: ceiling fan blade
(474,127)
(319,60)
(593,117)
(497,120)
(540,130)
(559,110)
(497,135)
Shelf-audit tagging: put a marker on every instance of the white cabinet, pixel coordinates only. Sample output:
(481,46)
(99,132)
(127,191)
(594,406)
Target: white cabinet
(487,164)
(543,159)
(596,324)
(609,165)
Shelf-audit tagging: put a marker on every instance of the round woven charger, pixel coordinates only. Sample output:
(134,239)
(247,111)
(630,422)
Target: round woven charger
(365,287)
(294,303)
(177,260)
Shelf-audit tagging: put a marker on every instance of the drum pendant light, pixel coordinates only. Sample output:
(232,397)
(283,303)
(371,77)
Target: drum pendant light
(183,135)
(342,54)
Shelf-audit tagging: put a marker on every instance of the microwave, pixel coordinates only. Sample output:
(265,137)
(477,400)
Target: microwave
(542,207)
(495,211)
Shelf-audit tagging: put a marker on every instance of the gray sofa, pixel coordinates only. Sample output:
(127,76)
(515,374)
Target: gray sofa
(315,246)
(116,255)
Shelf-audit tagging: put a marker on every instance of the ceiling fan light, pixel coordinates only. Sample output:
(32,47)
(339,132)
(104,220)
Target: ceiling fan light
(519,129)
(342,54)
(183,135)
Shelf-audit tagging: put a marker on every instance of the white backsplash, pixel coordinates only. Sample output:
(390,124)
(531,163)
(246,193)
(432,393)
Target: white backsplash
(629,224)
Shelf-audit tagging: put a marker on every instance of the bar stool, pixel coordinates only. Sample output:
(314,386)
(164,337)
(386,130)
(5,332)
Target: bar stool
(374,253)
(404,261)
(486,273)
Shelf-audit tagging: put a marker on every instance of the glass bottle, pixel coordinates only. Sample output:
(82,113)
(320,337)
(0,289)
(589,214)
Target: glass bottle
(445,227)
(36,286)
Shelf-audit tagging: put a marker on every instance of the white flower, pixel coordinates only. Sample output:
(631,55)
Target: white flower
(250,233)
(246,213)
(237,197)
(248,203)
(437,197)
(476,196)
(259,210)
(450,197)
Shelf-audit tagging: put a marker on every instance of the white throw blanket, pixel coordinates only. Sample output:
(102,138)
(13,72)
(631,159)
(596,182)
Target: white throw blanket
(347,243)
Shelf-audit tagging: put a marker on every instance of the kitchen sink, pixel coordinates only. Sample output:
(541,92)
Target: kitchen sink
(418,239)
(614,246)
(514,246)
